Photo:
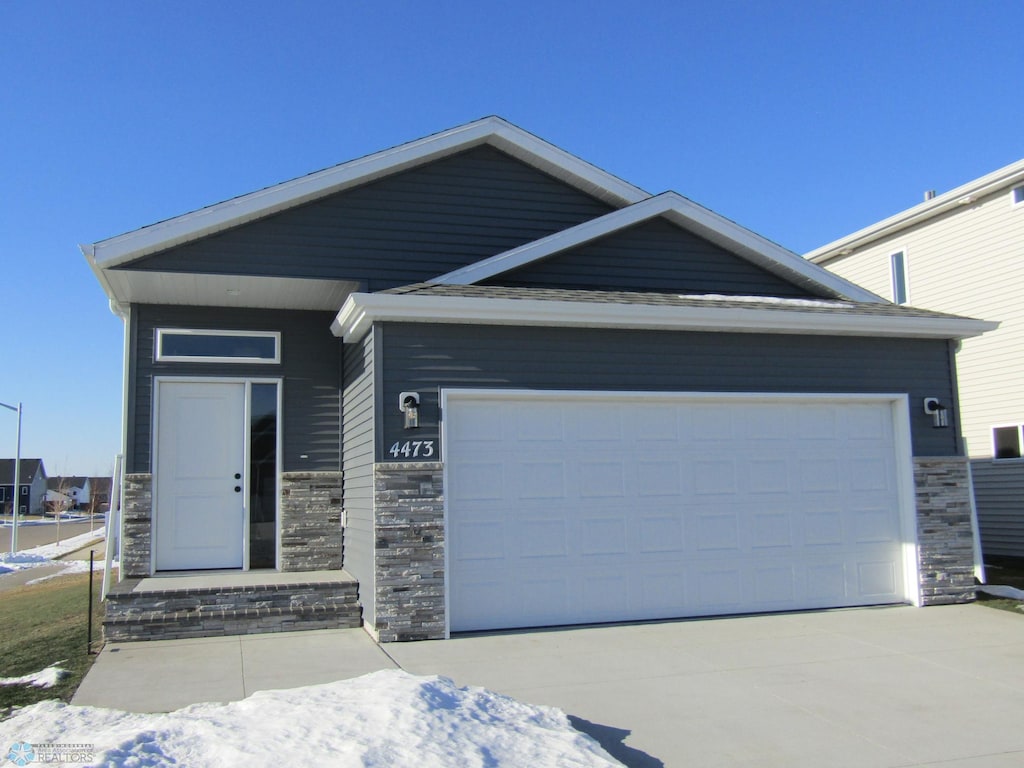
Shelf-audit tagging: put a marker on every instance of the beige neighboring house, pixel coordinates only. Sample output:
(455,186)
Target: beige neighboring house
(963,252)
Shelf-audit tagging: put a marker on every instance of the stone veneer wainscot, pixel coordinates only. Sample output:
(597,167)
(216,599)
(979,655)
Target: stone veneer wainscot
(410,544)
(944,531)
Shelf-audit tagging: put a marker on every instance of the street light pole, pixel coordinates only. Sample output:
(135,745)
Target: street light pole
(17,480)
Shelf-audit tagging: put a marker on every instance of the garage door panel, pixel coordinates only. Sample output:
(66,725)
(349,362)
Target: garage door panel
(717,531)
(820,475)
(602,479)
(666,509)
(775,584)
(771,530)
(481,541)
(477,481)
(823,528)
(543,538)
(876,579)
(540,479)
(874,525)
(714,477)
(661,534)
(546,424)
(768,476)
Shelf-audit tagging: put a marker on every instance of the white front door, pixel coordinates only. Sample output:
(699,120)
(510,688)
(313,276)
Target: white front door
(200,475)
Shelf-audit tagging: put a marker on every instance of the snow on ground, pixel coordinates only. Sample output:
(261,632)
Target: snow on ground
(997,590)
(36,556)
(46,678)
(388,718)
(29,558)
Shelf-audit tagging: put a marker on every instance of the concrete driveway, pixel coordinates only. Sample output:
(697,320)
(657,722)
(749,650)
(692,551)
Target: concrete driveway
(900,686)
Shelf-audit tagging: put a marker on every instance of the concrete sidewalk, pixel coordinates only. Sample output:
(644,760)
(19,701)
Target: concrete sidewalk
(885,687)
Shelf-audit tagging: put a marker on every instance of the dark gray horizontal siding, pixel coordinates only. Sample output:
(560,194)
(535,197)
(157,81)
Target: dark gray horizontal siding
(358,440)
(999,498)
(310,367)
(657,256)
(405,228)
(426,358)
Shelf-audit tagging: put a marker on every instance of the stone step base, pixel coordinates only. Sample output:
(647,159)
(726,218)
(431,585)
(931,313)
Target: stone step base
(137,613)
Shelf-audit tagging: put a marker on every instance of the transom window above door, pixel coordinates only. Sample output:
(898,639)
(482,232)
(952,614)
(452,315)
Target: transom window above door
(213,346)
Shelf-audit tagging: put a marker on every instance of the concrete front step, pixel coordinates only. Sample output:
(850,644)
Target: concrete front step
(210,605)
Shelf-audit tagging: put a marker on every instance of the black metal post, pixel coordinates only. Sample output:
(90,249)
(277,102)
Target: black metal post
(88,647)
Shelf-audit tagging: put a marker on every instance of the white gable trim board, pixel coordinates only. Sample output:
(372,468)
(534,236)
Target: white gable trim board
(490,130)
(685,213)
(586,507)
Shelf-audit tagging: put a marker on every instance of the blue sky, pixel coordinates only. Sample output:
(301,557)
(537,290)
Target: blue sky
(802,121)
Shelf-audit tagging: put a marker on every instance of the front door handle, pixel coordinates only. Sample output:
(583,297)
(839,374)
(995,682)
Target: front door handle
(238,489)
(238,475)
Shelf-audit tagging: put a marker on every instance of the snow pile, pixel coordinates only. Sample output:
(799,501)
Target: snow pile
(69,567)
(998,590)
(388,718)
(30,558)
(46,678)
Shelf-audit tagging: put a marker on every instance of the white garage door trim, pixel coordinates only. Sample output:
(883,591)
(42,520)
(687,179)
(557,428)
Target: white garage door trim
(900,413)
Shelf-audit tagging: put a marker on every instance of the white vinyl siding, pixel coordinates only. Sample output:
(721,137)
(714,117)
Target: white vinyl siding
(969,262)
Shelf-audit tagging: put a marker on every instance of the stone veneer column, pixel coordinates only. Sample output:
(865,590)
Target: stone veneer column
(311,534)
(137,511)
(409,541)
(945,539)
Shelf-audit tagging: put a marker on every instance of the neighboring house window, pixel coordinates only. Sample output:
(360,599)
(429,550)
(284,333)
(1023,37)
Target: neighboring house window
(24,490)
(898,268)
(182,345)
(1017,196)
(1006,442)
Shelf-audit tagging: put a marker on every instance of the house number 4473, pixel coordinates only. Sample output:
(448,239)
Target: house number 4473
(413,449)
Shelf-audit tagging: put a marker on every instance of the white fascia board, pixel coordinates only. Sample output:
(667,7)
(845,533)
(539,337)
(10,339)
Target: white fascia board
(1007,176)
(681,211)
(361,310)
(493,130)
(117,307)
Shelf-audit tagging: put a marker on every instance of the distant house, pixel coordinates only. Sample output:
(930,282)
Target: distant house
(503,388)
(33,486)
(96,497)
(963,252)
(70,492)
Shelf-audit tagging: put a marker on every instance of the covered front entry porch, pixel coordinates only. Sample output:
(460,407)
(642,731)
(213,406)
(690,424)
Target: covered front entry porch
(217,603)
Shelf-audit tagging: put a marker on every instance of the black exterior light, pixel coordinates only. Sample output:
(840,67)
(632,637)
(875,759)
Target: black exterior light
(938,412)
(409,404)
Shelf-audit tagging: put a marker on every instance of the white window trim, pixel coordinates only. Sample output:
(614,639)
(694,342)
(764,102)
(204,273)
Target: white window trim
(1017,197)
(906,276)
(161,358)
(1020,441)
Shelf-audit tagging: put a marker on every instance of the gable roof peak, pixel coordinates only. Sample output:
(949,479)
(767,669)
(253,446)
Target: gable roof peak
(684,213)
(492,130)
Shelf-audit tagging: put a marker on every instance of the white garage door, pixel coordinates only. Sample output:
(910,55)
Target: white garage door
(568,508)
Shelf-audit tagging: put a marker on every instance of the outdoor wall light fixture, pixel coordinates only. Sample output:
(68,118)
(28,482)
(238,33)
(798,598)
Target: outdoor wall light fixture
(938,412)
(409,404)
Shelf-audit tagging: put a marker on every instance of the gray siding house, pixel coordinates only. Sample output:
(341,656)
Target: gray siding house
(32,481)
(474,382)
